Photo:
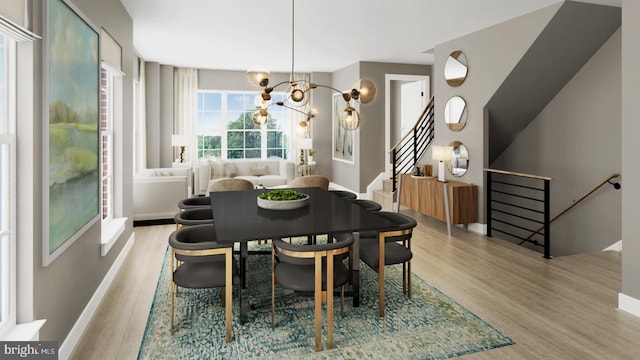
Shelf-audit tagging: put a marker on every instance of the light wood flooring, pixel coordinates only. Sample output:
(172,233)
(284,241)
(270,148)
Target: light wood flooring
(564,308)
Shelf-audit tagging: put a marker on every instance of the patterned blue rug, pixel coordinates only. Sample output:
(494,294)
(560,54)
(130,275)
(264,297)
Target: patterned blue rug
(428,326)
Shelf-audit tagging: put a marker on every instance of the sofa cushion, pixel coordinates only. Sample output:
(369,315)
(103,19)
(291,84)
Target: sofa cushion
(258,170)
(216,167)
(230,170)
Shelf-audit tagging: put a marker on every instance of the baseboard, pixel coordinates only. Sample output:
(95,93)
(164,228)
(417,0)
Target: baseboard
(478,228)
(83,321)
(615,247)
(629,304)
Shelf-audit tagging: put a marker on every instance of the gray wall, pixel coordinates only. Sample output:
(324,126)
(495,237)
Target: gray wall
(491,54)
(63,289)
(575,140)
(630,148)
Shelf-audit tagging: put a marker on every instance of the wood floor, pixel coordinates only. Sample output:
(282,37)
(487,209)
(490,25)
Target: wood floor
(565,308)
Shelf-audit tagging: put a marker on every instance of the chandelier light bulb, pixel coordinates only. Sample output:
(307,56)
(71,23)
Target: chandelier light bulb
(257,74)
(351,119)
(260,117)
(297,95)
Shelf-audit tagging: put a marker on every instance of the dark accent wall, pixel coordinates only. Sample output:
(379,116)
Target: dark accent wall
(571,38)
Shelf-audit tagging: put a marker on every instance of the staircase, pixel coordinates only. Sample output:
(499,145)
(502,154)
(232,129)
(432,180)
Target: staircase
(405,155)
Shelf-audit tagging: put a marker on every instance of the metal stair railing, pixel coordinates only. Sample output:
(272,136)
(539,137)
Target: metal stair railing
(406,152)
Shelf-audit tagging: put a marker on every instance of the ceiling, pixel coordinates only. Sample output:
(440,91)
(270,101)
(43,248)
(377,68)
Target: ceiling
(329,34)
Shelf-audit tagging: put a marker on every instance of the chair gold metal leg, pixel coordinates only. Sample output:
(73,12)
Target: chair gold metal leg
(228,292)
(330,302)
(173,299)
(381,263)
(273,285)
(318,301)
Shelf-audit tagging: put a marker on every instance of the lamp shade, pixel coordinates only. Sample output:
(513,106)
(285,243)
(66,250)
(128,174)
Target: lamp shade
(179,140)
(257,73)
(305,143)
(367,91)
(442,153)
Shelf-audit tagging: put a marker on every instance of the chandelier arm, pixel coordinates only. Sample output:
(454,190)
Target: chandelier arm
(345,95)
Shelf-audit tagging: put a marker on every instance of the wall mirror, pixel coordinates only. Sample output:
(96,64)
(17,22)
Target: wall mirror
(455,113)
(455,68)
(459,163)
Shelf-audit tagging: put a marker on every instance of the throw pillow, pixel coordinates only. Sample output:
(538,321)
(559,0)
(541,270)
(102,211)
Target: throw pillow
(230,170)
(259,170)
(166,173)
(216,168)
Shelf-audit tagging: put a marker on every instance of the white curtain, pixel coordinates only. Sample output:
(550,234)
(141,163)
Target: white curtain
(140,162)
(185,107)
(297,117)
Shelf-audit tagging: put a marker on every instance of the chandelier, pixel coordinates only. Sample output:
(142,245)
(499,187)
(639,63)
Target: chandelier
(364,91)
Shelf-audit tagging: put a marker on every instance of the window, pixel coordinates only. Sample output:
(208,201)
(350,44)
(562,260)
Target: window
(106,138)
(7,182)
(226,129)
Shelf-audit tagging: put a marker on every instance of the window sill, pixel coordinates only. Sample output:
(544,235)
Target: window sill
(24,332)
(111,231)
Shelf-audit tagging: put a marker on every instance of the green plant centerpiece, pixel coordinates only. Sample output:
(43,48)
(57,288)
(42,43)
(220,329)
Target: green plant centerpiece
(282,199)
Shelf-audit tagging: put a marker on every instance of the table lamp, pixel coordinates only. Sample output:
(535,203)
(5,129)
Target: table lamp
(442,154)
(304,143)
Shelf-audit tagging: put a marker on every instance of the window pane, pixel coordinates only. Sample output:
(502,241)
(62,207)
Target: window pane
(274,153)
(274,139)
(235,154)
(253,139)
(212,101)
(235,139)
(253,154)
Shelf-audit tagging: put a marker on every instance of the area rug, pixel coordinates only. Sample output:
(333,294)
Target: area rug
(428,326)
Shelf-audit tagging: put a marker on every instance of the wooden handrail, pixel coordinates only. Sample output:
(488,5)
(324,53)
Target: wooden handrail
(518,174)
(426,108)
(575,202)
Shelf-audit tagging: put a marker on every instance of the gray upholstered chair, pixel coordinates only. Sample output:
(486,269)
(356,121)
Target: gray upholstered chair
(194,203)
(367,204)
(344,194)
(393,247)
(201,263)
(197,216)
(230,185)
(296,267)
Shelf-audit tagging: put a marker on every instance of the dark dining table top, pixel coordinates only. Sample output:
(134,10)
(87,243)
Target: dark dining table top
(238,218)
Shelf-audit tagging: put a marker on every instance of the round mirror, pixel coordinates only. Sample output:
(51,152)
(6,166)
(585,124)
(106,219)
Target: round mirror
(455,68)
(459,163)
(455,113)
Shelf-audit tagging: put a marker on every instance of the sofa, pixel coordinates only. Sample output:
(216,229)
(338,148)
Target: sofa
(267,172)
(156,192)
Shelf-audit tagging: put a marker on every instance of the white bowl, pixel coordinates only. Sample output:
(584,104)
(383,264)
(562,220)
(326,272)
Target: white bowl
(283,204)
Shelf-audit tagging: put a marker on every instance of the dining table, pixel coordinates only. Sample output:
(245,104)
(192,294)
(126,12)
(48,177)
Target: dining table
(239,219)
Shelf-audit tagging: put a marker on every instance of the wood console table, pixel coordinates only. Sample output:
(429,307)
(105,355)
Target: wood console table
(427,195)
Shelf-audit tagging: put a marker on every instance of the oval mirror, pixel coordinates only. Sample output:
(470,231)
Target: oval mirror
(455,113)
(455,68)
(459,163)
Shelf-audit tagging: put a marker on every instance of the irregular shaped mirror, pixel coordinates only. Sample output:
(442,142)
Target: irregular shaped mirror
(455,113)
(459,163)
(455,68)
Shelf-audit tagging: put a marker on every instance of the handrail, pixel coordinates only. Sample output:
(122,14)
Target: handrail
(576,202)
(518,174)
(414,125)
(405,154)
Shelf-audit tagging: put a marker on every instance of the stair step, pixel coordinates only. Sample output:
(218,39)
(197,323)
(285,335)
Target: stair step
(387,185)
(384,198)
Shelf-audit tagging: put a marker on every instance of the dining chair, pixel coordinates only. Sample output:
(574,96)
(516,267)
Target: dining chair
(344,194)
(367,204)
(312,268)
(230,185)
(194,203)
(198,261)
(196,216)
(310,181)
(393,247)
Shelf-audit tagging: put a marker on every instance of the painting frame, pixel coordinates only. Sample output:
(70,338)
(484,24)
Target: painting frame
(70,131)
(342,141)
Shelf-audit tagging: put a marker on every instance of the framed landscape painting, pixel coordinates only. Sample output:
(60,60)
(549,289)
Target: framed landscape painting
(343,140)
(71,77)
